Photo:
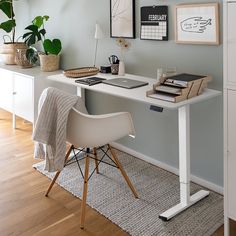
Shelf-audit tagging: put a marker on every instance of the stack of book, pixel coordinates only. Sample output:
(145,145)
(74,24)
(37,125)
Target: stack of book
(179,87)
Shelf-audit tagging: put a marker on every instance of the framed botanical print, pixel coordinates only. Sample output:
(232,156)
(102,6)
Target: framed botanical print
(197,23)
(122,18)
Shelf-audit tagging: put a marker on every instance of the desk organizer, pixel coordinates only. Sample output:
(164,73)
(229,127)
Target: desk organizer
(179,87)
(81,72)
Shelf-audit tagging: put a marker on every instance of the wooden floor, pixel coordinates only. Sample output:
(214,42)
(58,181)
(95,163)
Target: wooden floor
(23,208)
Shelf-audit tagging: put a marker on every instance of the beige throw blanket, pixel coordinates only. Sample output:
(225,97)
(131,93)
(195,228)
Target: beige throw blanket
(50,128)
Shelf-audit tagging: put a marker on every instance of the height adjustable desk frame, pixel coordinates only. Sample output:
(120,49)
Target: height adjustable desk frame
(139,94)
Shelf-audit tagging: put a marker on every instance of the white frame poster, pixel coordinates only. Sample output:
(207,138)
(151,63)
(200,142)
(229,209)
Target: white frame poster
(197,23)
(122,18)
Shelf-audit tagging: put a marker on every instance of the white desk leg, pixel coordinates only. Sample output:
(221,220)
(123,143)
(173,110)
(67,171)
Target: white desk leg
(226,226)
(13,111)
(81,93)
(184,168)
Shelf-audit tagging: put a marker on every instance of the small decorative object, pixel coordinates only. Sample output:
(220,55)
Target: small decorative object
(49,59)
(114,61)
(159,73)
(114,69)
(80,72)
(105,69)
(197,23)
(8,49)
(122,13)
(154,23)
(124,45)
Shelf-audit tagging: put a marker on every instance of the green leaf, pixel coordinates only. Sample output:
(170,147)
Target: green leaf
(7,7)
(32,55)
(38,20)
(33,35)
(46,17)
(8,25)
(52,47)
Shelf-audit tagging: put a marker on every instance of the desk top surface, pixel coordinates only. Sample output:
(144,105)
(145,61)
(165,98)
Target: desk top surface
(136,94)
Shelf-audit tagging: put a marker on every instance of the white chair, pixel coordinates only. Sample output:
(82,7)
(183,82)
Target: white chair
(93,131)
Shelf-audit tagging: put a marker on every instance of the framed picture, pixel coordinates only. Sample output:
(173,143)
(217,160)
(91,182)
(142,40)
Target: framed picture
(122,15)
(197,23)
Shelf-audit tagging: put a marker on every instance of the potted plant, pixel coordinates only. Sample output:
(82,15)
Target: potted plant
(8,49)
(49,59)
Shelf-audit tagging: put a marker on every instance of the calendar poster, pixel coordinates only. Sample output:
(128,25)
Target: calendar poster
(154,23)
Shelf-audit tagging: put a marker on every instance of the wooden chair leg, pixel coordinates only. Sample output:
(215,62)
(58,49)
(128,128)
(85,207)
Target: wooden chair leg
(123,172)
(96,159)
(58,172)
(85,190)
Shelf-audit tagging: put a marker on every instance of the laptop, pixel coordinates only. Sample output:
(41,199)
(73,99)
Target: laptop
(125,83)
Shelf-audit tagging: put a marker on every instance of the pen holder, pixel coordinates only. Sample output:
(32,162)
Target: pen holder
(114,69)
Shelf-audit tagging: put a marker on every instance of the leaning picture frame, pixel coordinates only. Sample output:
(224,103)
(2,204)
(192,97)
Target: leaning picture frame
(197,23)
(122,18)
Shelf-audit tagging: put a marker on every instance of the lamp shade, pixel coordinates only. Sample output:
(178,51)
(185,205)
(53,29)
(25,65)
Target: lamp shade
(98,32)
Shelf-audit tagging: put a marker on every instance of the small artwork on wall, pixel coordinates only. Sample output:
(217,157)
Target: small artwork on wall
(122,18)
(154,23)
(197,23)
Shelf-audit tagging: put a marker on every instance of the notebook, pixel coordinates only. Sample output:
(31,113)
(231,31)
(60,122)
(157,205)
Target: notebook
(90,81)
(125,83)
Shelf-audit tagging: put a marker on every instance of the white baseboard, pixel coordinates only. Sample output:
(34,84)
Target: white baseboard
(195,179)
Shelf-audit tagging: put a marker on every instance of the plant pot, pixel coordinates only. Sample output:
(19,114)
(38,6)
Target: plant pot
(49,62)
(21,59)
(8,52)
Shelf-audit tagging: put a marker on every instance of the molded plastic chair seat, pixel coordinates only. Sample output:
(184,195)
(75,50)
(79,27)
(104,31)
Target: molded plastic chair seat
(87,131)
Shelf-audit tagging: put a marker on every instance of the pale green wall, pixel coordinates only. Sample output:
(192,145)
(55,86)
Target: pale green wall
(73,22)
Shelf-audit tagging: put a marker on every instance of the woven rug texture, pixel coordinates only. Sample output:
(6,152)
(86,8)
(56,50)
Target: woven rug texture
(158,190)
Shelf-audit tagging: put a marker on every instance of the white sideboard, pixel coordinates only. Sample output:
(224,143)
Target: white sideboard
(229,113)
(20,90)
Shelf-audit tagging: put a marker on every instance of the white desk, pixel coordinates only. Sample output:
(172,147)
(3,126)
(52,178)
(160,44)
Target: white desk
(139,94)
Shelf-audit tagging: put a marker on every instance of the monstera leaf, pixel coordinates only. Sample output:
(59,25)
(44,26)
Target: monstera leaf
(33,35)
(52,47)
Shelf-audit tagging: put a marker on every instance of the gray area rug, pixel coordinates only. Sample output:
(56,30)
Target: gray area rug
(158,190)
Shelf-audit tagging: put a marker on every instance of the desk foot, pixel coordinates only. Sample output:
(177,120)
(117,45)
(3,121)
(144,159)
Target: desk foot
(167,215)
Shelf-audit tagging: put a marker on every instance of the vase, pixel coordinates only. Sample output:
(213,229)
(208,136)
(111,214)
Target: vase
(121,71)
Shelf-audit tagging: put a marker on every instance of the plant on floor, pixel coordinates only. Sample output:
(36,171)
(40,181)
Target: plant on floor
(36,33)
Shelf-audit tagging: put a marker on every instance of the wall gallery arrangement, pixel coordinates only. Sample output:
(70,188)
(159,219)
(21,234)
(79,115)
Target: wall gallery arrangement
(194,23)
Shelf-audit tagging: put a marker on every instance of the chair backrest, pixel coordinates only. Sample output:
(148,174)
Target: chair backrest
(85,130)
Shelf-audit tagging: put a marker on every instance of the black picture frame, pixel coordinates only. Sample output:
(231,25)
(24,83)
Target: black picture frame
(122,19)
